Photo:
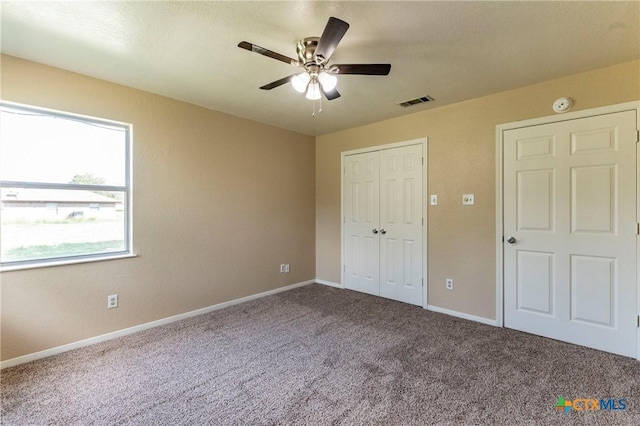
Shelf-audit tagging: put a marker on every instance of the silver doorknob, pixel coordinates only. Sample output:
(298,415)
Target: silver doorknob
(511,240)
(382,231)
(374,230)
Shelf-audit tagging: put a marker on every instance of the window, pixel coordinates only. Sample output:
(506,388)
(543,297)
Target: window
(65,187)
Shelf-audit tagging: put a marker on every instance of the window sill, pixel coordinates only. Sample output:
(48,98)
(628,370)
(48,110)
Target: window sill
(64,262)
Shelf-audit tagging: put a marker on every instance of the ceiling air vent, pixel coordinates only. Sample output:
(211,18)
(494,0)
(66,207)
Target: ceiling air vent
(416,101)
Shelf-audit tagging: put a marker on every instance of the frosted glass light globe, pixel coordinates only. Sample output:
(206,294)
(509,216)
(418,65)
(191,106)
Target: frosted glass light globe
(313,92)
(300,81)
(328,81)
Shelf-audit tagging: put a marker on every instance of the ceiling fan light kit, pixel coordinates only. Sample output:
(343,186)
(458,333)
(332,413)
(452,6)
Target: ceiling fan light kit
(314,53)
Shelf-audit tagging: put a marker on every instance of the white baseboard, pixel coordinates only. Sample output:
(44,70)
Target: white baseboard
(104,337)
(124,332)
(329,283)
(463,315)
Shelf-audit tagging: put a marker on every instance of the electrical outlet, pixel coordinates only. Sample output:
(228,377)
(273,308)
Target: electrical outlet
(449,282)
(284,268)
(468,200)
(112,301)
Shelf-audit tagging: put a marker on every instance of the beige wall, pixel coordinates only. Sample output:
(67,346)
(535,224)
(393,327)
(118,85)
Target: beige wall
(219,203)
(461,159)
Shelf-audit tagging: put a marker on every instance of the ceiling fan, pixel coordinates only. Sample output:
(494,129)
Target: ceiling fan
(313,56)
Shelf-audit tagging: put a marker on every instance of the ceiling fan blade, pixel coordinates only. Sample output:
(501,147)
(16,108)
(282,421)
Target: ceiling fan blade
(331,36)
(266,52)
(330,95)
(362,69)
(277,83)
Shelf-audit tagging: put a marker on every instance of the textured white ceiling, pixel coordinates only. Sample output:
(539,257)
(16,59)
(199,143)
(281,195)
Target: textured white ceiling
(451,51)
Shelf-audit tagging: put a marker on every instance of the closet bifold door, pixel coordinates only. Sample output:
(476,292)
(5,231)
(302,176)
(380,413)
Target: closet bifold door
(362,218)
(383,223)
(401,224)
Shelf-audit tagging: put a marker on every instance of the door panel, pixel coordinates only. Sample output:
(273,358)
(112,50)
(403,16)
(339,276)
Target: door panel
(361,210)
(593,289)
(535,282)
(570,204)
(535,200)
(593,206)
(401,218)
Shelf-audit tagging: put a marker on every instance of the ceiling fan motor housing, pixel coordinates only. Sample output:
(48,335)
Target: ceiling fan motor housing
(306,49)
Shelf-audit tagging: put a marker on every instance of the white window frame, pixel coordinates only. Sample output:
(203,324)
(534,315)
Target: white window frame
(126,189)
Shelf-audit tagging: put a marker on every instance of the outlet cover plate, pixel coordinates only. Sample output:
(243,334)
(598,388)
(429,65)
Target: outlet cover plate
(112,301)
(468,200)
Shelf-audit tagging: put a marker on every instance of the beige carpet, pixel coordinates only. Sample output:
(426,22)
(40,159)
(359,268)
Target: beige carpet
(318,355)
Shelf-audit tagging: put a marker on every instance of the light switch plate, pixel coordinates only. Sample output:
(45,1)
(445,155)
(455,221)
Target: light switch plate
(467,200)
(434,200)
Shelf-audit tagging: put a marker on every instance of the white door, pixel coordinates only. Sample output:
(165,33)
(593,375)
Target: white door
(361,216)
(570,231)
(383,223)
(401,224)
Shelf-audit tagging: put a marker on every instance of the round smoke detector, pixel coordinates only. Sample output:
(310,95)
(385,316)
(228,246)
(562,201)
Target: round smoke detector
(563,104)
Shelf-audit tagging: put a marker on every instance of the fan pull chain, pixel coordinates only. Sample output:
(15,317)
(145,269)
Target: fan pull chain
(313,112)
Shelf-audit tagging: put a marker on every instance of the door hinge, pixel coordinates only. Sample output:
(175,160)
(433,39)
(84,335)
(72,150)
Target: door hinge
(638,321)
(637,136)
(422,279)
(423,221)
(423,161)
(637,228)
